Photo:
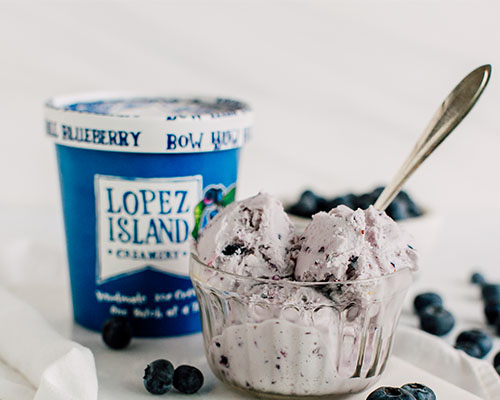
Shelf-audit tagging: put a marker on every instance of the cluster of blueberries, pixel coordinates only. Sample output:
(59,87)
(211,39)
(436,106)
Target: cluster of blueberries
(435,319)
(309,203)
(160,375)
(410,391)
(491,298)
(490,293)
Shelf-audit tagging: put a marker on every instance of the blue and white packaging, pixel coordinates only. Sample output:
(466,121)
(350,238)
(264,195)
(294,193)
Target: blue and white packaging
(139,176)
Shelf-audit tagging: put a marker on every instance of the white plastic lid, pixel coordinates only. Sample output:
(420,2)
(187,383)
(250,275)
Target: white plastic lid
(146,124)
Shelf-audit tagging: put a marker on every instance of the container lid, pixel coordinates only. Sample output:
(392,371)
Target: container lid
(147,124)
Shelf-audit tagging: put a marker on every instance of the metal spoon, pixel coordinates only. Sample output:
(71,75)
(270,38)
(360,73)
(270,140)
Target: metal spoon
(451,112)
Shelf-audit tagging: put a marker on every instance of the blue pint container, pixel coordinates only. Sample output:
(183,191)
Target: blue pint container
(139,176)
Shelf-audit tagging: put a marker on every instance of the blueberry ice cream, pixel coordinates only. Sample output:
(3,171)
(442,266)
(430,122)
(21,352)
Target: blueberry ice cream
(298,316)
(345,245)
(253,237)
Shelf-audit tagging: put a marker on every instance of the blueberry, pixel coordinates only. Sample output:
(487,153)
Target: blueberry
(403,207)
(426,299)
(411,208)
(397,210)
(377,192)
(188,379)
(363,201)
(477,337)
(492,312)
(232,249)
(478,278)
(491,293)
(436,320)
(497,326)
(470,348)
(322,204)
(496,360)
(497,368)
(117,332)
(159,376)
(348,200)
(419,391)
(390,393)
(307,205)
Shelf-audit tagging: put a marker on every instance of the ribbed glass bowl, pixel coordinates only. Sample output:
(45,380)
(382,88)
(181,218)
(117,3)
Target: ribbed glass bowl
(304,339)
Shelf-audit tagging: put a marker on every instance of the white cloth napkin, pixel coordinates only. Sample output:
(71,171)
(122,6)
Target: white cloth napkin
(441,360)
(52,367)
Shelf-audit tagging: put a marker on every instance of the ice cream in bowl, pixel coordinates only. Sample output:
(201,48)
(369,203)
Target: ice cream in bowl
(309,314)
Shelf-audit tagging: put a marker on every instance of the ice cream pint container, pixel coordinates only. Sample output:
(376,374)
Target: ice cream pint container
(139,176)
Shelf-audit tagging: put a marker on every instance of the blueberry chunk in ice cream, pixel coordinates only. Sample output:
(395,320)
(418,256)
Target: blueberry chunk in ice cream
(345,245)
(252,237)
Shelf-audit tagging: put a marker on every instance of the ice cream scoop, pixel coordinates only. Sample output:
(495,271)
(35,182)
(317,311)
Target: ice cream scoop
(252,237)
(346,245)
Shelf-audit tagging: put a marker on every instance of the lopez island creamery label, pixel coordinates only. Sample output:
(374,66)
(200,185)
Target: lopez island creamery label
(140,176)
(144,223)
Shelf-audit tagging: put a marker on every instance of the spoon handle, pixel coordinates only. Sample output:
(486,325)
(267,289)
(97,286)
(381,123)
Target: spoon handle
(453,110)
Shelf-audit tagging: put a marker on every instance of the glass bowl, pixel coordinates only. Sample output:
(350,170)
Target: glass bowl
(304,339)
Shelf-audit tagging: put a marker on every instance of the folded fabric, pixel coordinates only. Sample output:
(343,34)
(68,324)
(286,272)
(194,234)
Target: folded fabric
(438,358)
(55,367)
(13,385)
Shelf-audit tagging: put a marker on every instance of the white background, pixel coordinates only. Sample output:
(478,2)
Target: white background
(341,89)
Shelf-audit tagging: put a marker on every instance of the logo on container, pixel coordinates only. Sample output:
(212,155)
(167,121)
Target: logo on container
(215,198)
(144,224)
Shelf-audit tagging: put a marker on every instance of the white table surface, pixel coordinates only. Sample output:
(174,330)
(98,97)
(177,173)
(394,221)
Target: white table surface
(463,243)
